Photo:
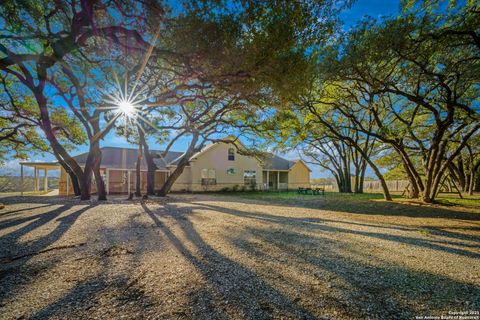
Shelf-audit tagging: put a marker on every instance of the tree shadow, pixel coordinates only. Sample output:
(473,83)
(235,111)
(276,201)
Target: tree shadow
(17,253)
(6,213)
(244,290)
(87,298)
(108,273)
(319,224)
(398,292)
(10,200)
(387,291)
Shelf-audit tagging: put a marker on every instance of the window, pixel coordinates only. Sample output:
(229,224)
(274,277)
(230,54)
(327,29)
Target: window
(231,171)
(231,154)
(208,177)
(249,177)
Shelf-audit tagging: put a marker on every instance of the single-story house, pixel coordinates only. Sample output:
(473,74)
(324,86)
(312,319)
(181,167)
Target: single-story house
(218,166)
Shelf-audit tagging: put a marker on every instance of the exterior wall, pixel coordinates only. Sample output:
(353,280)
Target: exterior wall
(118,181)
(184,181)
(216,157)
(160,178)
(62,184)
(299,176)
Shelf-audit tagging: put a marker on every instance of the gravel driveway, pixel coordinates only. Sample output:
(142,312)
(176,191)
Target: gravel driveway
(224,257)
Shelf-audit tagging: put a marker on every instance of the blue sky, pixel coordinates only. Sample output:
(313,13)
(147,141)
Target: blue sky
(373,8)
(361,8)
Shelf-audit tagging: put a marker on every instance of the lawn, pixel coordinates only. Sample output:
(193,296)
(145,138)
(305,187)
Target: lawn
(350,201)
(244,255)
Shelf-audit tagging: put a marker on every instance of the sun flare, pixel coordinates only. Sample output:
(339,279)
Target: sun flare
(126,108)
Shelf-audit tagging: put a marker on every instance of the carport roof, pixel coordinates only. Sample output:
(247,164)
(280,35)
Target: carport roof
(41,164)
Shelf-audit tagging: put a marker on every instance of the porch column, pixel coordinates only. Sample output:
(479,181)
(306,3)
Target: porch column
(278,180)
(38,179)
(107,178)
(35,179)
(21,179)
(128,179)
(68,183)
(268,180)
(45,181)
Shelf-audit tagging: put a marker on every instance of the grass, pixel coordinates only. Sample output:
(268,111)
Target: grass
(454,200)
(25,193)
(366,202)
(329,196)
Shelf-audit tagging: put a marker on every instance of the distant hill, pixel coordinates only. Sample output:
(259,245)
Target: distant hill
(10,183)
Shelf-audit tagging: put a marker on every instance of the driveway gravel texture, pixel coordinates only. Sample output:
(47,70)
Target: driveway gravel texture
(207,256)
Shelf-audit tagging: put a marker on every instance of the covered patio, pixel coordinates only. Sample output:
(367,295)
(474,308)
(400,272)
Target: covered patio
(38,168)
(275,179)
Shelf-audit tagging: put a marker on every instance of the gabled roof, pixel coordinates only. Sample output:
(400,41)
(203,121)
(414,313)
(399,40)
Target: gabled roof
(274,162)
(125,158)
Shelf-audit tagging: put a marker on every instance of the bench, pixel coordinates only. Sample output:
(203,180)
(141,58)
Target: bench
(312,191)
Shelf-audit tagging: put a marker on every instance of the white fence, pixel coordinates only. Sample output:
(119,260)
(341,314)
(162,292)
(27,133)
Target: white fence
(372,186)
(393,185)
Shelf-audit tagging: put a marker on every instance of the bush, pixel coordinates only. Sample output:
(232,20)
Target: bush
(235,188)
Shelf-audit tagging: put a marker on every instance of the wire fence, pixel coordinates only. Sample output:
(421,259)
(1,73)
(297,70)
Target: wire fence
(370,186)
(393,185)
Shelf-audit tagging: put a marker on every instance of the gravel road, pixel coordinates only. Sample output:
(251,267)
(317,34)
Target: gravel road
(223,257)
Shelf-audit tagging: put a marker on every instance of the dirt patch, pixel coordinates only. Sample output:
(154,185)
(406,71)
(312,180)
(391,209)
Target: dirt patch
(217,257)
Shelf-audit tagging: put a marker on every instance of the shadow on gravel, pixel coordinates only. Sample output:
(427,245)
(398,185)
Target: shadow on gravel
(386,292)
(17,253)
(318,224)
(232,282)
(11,212)
(390,291)
(112,286)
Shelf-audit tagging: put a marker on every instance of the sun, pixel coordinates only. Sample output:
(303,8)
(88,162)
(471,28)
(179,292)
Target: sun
(126,108)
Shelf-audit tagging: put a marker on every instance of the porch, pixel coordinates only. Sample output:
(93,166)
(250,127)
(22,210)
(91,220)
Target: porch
(117,181)
(123,181)
(38,169)
(275,179)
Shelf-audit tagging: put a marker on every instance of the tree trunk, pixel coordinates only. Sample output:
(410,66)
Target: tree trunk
(386,192)
(477,180)
(86,182)
(58,149)
(471,183)
(362,177)
(138,186)
(172,178)
(92,164)
(179,169)
(74,181)
(73,177)
(346,174)
(101,191)
(151,167)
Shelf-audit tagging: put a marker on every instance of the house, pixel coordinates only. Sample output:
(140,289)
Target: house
(218,166)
